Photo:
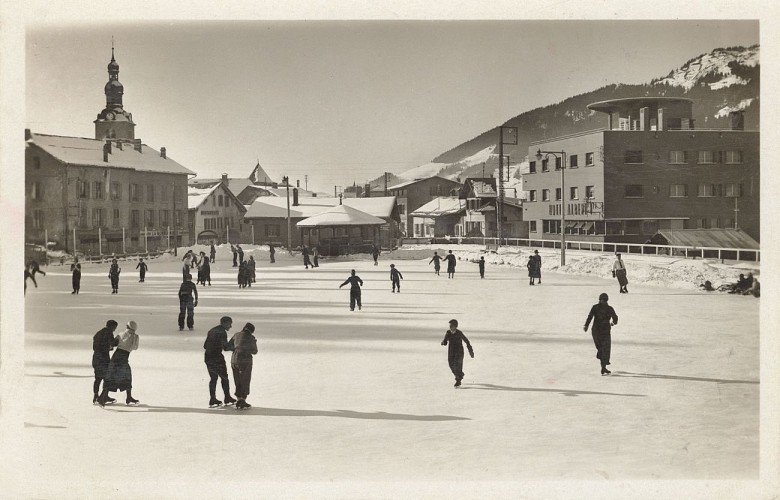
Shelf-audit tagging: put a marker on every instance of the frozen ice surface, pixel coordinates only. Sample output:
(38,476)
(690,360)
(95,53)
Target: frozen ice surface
(368,396)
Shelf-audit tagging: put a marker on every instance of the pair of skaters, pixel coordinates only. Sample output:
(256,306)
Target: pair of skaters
(355,283)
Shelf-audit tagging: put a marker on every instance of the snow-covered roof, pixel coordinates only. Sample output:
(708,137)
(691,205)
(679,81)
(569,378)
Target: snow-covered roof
(89,152)
(443,205)
(341,215)
(715,238)
(271,206)
(196,195)
(415,181)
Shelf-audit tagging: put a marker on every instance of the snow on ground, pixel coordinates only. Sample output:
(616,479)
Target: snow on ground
(367,396)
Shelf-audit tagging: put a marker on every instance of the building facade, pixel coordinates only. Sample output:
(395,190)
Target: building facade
(216,215)
(413,194)
(111,194)
(649,170)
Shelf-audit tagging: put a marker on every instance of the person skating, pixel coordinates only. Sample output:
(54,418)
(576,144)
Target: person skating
(306,261)
(103,342)
(243,276)
(235,255)
(186,264)
(604,318)
(119,376)
(533,269)
(436,259)
(75,268)
(619,272)
(455,339)
(34,269)
(271,252)
(252,265)
(27,276)
(205,270)
(354,290)
(395,278)
(142,267)
(245,346)
(187,303)
(315,253)
(481,263)
(113,275)
(375,254)
(538,259)
(451,262)
(240,253)
(216,342)
(213,253)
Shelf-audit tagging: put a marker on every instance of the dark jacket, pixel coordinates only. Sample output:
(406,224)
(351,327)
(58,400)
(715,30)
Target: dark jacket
(217,341)
(395,275)
(455,341)
(186,291)
(355,281)
(245,345)
(601,313)
(104,341)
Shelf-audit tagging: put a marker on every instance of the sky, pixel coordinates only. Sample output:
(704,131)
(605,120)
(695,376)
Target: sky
(329,102)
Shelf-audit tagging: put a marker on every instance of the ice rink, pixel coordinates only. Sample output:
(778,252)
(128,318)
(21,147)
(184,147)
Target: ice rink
(367,396)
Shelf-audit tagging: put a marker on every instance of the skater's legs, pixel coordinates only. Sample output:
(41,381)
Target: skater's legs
(182,312)
(190,314)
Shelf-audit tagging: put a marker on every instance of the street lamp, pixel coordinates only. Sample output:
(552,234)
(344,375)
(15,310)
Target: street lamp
(543,154)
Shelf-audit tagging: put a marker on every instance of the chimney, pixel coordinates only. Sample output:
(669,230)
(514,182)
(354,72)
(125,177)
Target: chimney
(295,197)
(162,153)
(106,151)
(367,191)
(737,120)
(225,179)
(137,145)
(27,134)
(119,145)
(297,183)
(107,147)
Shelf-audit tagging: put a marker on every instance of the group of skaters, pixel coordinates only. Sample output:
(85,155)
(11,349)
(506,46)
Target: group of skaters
(311,256)
(451,263)
(115,373)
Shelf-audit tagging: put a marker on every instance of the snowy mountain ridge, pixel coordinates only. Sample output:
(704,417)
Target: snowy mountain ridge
(718,62)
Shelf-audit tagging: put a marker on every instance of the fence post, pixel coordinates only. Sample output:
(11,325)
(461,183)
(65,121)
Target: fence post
(100,241)
(74,241)
(123,240)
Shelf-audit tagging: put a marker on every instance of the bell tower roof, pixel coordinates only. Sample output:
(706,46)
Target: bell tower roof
(113,121)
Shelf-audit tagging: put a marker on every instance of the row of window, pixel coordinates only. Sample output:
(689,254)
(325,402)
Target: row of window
(574,194)
(218,223)
(628,227)
(97,190)
(678,157)
(704,190)
(151,218)
(574,162)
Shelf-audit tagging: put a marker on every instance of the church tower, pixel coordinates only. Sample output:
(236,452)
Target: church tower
(114,122)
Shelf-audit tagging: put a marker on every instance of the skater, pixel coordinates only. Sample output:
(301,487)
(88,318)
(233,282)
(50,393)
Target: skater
(395,278)
(306,261)
(375,254)
(27,276)
(194,259)
(113,275)
(243,275)
(271,252)
(75,268)
(533,269)
(451,262)
(216,342)
(245,346)
(601,314)
(354,291)
(213,253)
(252,269)
(481,263)
(316,256)
(187,304)
(103,342)
(204,272)
(436,263)
(142,269)
(619,272)
(119,376)
(538,259)
(35,268)
(235,255)
(199,264)
(240,253)
(455,339)
(186,263)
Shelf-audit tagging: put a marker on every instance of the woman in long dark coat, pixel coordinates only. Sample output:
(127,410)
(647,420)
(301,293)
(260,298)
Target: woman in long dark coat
(113,275)
(604,318)
(76,279)
(205,270)
(119,376)
(533,269)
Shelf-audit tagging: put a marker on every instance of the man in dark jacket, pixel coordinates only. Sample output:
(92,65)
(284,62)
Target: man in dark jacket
(375,254)
(604,318)
(354,291)
(271,252)
(455,339)
(216,342)
(240,253)
(245,346)
(395,278)
(235,255)
(213,252)
(187,303)
(451,262)
(102,344)
(142,267)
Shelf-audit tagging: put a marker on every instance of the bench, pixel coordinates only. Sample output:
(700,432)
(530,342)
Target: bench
(491,247)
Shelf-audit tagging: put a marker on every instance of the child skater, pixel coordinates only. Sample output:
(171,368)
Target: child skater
(455,338)
(396,277)
(142,267)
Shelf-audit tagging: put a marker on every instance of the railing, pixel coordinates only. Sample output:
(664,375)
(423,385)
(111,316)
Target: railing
(604,246)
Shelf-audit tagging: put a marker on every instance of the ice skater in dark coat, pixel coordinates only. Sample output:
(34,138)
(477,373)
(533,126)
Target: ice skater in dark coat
(395,278)
(306,261)
(451,262)
(76,279)
(375,254)
(245,346)
(142,270)
(604,318)
(481,263)
(455,339)
(436,263)
(213,252)
(119,376)
(271,252)
(240,253)
(113,275)
(354,291)
(102,344)
(187,303)
(205,270)
(235,255)
(216,342)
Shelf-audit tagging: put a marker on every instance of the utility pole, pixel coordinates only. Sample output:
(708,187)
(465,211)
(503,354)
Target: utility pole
(306,181)
(736,212)
(500,197)
(289,229)
(385,183)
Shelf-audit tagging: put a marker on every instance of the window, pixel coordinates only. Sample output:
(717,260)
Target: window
(678,157)
(36,191)
(176,193)
(532,226)
(589,192)
(588,159)
(649,227)
(573,161)
(557,194)
(116,221)
(728,223)
(97,190)
(82,187)
(532,195)
(135,218)
(632,227)
(402,209)
(133,192)
(574,193)
(545,195)
(706,157)
(557,163)
(115,191)
(220,200)
(98,217)
(733,190)
(272,230)
(706,190)
(715,223)
(163,193)
(37,219)
(632,156)
(83,217)
(149,218)
(532,167)
(545,166)
(213,201)
(703,223)
(731,156)
(678,190)
(633,191)
(150,192)
(163,218)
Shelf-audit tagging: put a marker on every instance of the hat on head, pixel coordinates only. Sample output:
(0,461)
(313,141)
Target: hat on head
(617,253)
(603,296)
(536,251)
(225,319)
(132,325)
(249,327)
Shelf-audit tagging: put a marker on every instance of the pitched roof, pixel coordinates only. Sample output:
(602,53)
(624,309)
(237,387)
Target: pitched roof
(341,215)
(197,195)
(443,205)
(415,181)
(714,238)
(259,175)
(270,206)
(89,152)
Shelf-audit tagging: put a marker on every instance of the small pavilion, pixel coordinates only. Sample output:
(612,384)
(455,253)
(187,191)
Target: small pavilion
(341,230)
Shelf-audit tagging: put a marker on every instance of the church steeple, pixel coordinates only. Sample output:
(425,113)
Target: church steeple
(114,122)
